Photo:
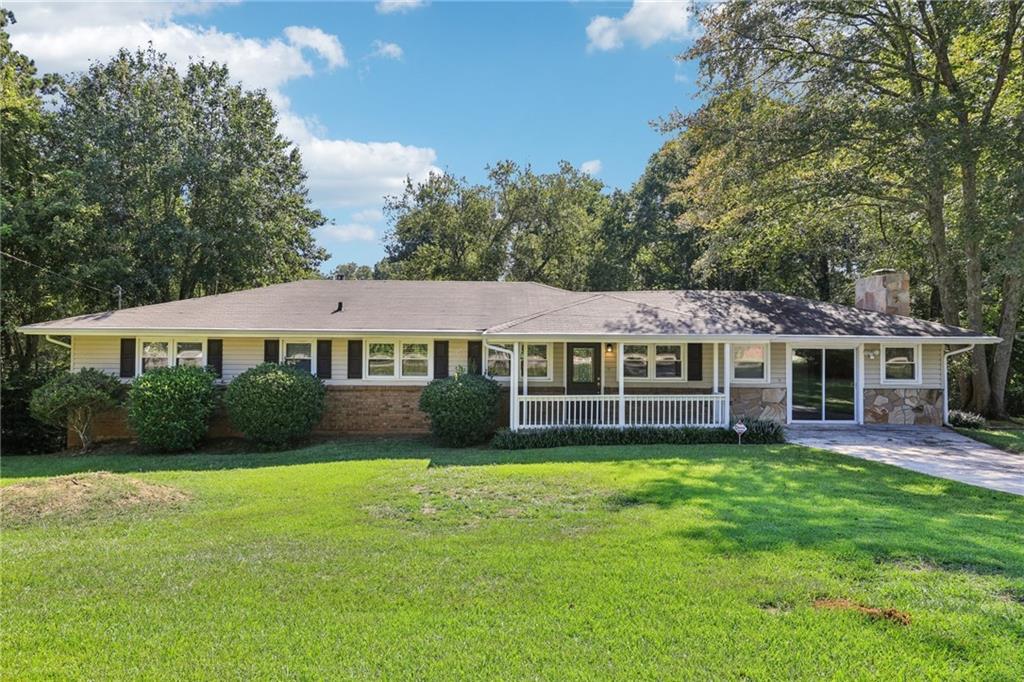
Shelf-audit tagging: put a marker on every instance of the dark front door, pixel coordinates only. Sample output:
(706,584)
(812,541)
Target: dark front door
(583,368)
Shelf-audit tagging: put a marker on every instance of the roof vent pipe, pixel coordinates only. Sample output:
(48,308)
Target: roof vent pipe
(341,305)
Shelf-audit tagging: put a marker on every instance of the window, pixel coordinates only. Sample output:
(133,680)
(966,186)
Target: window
(155,355)
(634,361)
(414,359)
(900,364)
(299,354)
(189,353)
(536,358)
(750,362)
(398,359)
(668,362)
(380,360)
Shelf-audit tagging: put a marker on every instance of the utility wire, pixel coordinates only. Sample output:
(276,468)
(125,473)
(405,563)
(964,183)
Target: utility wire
(40,267)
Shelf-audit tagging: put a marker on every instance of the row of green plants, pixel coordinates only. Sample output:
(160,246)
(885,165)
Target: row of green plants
(169,409)
(758,432)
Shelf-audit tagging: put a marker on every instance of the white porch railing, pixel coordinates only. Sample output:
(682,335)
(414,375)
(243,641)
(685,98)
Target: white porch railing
(539,411)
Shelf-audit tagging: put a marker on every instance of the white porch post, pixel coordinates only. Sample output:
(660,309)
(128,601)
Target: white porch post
(514,388)
(526,370)
(858,403)
(620,374)
(728,383)
(714,371)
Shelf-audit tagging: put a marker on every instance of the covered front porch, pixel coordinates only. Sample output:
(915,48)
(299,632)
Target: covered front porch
(615,384)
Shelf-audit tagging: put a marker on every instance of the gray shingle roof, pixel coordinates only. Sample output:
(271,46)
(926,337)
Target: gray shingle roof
(501,308)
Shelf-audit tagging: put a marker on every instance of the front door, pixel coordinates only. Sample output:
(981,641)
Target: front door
(582,368)
(823,385)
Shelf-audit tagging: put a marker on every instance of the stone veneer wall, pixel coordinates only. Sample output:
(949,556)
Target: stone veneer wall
(903,406)
(378,410)
(749,402)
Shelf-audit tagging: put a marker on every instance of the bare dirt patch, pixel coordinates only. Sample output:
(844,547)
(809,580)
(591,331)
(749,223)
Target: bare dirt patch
(894,615)
(77,497)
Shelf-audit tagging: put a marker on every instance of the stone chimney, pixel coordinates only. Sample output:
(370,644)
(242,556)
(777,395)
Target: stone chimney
(884,291)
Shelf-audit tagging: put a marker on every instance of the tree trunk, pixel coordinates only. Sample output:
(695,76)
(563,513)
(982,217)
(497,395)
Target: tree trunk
(1013,293)
(981,393)
(935,215)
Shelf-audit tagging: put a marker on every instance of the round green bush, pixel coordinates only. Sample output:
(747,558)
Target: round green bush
(169,408)
(71,400)
(274,404)
(463,408)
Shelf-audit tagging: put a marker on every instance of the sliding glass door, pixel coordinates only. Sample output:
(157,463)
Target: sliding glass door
(823,384)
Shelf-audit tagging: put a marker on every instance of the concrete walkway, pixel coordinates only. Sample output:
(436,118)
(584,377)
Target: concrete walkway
(930,450)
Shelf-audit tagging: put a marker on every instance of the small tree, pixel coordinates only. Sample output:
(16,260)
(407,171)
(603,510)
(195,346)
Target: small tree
(72,401)
(463,408)
(169,408)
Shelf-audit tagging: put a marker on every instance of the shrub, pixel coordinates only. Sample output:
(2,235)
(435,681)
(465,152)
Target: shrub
(966,420)
(274,404)
(463,408)
(169,408)
(758,431)
(71,400)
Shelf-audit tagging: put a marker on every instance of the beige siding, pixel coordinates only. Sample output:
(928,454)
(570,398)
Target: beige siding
(458,356)
(99,352)
(240,355)
(931,366)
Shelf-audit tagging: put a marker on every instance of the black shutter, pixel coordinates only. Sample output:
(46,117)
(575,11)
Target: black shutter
(440,359)
(215,356)
(323,358)
(271,350)
(694,362)
(475,357)
(127,358)
(355,359)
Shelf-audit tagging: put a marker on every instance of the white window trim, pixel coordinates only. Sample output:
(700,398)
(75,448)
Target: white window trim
(172,349)
(918,370)
(652,365)
(282,350)
(397,375)
(767,365)
(522,358)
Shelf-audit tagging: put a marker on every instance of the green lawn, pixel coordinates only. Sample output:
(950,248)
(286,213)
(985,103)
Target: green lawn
(1009,439)
(398,560)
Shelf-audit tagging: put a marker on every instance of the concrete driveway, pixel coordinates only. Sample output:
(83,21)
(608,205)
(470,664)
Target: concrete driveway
(928,449)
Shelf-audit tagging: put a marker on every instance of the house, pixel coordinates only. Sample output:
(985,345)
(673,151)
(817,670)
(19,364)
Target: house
(613,358)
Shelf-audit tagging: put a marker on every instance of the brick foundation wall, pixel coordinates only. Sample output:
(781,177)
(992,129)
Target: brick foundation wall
(349,410)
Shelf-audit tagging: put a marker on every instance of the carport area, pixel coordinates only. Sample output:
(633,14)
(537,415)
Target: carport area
(929,450)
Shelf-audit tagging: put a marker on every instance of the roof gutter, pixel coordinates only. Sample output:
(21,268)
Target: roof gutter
(945,380)
(58,343)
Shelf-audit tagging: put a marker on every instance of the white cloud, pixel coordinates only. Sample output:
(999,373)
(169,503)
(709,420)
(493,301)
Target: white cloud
(647,22)
(386,50)
(342,172)
(324,44)
(392,6)
(349,232)
(592,167)
(370,215)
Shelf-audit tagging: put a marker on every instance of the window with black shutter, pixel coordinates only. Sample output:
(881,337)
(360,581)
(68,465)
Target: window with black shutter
(475,357)
(694,362)
(323,358)
(355,359)
(271,350)
(215,356)
(440,359)
(127,358)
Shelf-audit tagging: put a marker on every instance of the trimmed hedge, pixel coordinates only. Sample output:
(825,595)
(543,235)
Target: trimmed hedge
(966,420)
(169,408)
(463,408)
(274,404)
(758,432)
(72,399)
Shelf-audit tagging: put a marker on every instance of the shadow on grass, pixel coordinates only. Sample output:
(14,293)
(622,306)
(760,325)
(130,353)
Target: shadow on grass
(815,499)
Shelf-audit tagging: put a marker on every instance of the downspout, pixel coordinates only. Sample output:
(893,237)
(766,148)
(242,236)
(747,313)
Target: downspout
(512,388)
(57,343)
(945,380)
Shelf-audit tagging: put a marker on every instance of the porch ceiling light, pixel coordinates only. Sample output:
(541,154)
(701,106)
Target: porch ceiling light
(608,348)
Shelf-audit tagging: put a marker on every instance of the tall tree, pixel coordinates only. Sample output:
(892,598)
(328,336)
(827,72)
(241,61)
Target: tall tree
(814,102)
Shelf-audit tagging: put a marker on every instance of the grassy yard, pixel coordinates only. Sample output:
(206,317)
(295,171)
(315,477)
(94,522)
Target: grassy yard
(398,560)
(1004,438)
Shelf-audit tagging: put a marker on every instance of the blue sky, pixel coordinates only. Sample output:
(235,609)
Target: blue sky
(373,92)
